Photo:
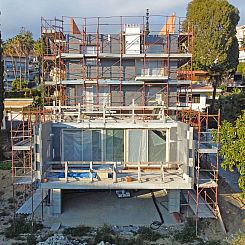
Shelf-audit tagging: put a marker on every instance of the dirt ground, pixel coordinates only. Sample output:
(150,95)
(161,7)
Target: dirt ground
(231,205)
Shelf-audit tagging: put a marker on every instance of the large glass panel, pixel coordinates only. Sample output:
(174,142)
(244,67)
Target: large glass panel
(72,145)
(118,145)
(96,145)
(157,146)
(114,145)
(137,145)
(109,145)
(87,145)
(82,145)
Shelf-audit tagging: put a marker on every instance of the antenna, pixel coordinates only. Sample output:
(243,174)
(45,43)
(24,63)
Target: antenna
(147,28)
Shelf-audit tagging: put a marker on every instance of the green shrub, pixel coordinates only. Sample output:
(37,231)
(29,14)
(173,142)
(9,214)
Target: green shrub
(11,200)
(20,226)
(147,234)
(80,230)
(31,240)
(213,242)
(105,233)
(238,240)
(18,243)
(133,241)
(188,234)
(5,165)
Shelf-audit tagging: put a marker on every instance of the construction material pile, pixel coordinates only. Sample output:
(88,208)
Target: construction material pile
(59,239)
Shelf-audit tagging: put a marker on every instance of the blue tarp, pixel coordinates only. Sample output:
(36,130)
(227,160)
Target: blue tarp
(71,175)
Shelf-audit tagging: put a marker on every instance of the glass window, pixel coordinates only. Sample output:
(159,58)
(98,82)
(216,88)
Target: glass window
(82,145)
(157,146)
(115,145)
(196,98)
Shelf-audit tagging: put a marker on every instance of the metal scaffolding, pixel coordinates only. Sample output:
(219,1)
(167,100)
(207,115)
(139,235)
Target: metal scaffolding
(203,200)
(83,43)
(86,42)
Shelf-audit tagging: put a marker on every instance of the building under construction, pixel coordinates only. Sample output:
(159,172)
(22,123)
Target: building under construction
(117,114)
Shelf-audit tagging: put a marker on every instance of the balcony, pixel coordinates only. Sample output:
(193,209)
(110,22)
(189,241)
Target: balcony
(151,74)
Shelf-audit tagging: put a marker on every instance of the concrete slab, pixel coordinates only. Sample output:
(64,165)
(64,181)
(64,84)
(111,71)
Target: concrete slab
(173,179)
(97,208)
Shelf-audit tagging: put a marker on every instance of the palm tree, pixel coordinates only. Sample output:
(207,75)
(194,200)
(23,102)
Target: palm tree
(38,51)
(21,46)
(9,50)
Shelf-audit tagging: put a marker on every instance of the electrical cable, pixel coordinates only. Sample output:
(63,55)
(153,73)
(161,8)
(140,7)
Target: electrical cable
(155,225)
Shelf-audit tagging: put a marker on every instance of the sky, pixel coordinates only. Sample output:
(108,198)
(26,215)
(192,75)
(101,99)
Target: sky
(27,13)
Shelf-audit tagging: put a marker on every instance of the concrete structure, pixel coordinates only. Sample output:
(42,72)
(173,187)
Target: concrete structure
(112,130)
(110,119)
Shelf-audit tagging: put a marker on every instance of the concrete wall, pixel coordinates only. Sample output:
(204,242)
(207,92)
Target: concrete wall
(174,201)
(56,202)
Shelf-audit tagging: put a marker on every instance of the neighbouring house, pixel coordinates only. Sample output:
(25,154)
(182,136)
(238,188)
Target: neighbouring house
(15,105)
(15,67)
(241,41)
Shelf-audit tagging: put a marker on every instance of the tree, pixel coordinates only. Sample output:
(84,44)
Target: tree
(243,43)
(215,43)
(1,97)
(38,51)
(18,85)
(232,138)
(20,46)
(241,69)
(231,105)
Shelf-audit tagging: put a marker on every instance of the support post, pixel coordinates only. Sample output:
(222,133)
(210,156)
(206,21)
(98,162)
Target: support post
(133,118)
(104,111)
(54,111)
(66,172)
(162,171)
(91,171)
(115,173)
(139,173)
(59,111)
(79,113)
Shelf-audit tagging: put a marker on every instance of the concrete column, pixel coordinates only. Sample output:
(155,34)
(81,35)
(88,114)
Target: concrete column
(174,201)
(56,201)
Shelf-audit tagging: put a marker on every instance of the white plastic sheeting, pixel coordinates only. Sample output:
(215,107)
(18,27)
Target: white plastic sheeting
(157,146)
(89,145)
(137,150)
(82,145)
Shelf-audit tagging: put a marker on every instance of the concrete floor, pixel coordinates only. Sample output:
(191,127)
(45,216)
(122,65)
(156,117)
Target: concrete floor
(98,208)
